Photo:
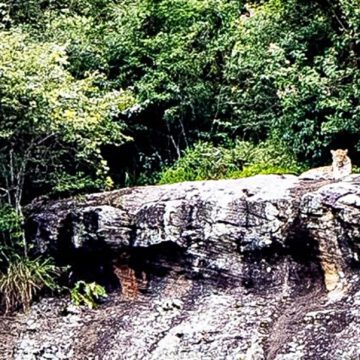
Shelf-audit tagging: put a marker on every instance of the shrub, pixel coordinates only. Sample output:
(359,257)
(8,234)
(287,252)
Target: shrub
(205,161)
(87,294)
(261,168)
(24,279)
(21,278)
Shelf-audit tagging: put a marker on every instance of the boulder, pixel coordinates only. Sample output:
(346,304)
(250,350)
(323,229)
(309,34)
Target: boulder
(215,222)
(258,268)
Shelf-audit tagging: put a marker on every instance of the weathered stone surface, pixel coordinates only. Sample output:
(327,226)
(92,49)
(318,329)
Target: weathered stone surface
(215,221)
(257,268)
(255,210)
(332,217)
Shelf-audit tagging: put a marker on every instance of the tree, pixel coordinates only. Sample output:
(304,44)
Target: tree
(172,53)
(52,126)
(294,75)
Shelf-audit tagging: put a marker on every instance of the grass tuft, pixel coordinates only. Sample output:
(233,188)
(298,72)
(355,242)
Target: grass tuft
(24,279)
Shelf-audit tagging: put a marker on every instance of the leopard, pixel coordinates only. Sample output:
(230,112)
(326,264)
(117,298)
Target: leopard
(340,168)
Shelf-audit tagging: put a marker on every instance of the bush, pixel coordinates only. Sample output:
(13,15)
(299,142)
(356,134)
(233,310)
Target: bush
(205,161)
(24,280)
(21,278)
(87,294)
(263,169)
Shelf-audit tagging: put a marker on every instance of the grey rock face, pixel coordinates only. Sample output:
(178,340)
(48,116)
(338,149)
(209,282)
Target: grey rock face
(251,214)
(332,217)
(258,268)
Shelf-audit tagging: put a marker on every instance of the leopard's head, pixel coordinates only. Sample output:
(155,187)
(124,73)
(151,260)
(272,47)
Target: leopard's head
(339,156)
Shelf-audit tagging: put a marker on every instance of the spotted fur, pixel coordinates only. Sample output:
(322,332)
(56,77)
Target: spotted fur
(339,169)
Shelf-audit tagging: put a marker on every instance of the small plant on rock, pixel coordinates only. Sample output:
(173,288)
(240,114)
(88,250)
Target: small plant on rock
(88,294)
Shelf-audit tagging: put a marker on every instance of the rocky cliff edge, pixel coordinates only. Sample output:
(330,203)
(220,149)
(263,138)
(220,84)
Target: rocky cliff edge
(265,267)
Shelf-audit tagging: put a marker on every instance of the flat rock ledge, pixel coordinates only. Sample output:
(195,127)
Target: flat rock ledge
(265,267)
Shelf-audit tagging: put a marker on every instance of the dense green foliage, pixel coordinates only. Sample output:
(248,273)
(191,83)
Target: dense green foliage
(88,294)
(211,70)
(97,93)
(294,74)
(52,125)
(205,161)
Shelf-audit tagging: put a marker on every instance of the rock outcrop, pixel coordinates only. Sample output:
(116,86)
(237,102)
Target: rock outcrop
(258,268)
(332,218)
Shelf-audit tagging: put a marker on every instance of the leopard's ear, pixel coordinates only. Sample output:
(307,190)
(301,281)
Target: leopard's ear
(346,151)
(332,152)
